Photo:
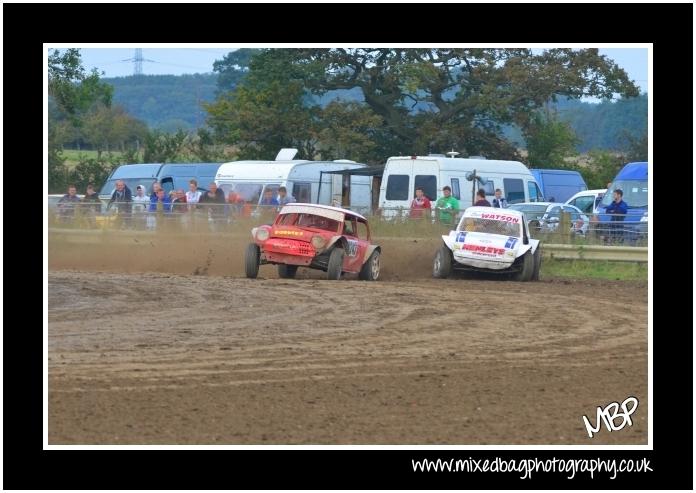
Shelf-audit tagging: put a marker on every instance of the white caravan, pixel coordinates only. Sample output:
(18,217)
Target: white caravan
(314,182)
(403,174)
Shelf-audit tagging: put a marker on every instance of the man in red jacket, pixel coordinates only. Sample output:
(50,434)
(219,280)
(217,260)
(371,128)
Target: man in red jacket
(419,205)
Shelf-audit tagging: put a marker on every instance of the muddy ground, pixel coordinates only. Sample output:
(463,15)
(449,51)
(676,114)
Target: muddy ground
(160,340)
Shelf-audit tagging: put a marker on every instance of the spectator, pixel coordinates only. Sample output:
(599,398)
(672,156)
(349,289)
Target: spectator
(141,202)
(481,199)
(447,206)
(283,197)
(214,199)
(419,205)
(155,187)
(91,205)
(618,208)
(161,202)
(91,200)
(122,197)
(268,198)
(214,195)
(179,202)
(193,195)
(235,203)
(66,204)
(499,201)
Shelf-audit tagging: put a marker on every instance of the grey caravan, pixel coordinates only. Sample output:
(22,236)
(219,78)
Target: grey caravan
(315,182)
(403,174)
(172,176)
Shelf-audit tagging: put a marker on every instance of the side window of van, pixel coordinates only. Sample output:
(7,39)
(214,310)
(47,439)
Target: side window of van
(534,192)
(167,185)
(514,190)
(455,188)
(302,192)
(429,185)
(397,187)
(489,187)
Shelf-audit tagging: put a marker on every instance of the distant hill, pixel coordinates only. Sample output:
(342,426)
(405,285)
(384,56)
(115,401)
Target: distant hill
(169,102)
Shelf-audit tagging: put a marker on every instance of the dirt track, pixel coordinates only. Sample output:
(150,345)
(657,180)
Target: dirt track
(167,356)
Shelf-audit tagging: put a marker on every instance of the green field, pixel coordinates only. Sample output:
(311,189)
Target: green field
(72,157)
(595,269)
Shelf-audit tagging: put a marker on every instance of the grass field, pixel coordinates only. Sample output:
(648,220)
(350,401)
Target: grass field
(595,269)
(72,157)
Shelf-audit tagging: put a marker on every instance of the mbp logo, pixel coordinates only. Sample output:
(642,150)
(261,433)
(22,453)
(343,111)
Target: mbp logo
(609,415)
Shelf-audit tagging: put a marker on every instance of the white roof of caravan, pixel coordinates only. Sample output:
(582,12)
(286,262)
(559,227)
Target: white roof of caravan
(268,170)
(483,165)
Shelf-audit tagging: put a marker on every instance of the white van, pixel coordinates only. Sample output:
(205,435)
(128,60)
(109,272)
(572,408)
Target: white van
(403,174)
(317,182)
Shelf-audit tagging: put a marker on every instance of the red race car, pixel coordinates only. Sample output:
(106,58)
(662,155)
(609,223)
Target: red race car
(316,236)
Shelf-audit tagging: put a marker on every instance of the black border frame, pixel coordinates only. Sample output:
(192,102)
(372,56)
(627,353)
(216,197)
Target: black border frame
(27,26)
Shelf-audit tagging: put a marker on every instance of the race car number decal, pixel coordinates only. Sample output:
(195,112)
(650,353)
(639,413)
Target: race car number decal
(511,242)
(461,236)
(352,248)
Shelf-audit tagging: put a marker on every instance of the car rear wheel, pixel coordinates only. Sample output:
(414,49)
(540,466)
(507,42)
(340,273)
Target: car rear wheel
(333,272)
(527,270)
(370,269)
(537,264)
(251,260)
(442,264)
(287,271)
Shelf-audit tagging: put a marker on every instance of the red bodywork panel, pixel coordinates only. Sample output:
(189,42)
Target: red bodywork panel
(292,245)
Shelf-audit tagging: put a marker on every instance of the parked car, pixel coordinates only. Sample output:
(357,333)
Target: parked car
(317,236)
(544,217)
(587,201)
(491,240)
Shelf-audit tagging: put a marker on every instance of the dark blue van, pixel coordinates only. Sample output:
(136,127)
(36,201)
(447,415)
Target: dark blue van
(633,182)
(558,185)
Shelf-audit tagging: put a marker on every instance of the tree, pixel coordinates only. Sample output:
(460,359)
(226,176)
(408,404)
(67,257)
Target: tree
(233,67)
(110,128)
(549,141)
(267,112)
(636,147)
(161,147)
(72,89)
(464,94)
(602,167)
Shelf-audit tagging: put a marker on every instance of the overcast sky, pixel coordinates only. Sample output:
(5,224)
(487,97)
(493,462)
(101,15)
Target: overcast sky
(179,61)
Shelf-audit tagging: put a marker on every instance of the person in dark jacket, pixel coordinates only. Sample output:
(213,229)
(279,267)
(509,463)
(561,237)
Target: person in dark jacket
(481,199)
(122,197)
(618,208)
(91,200)
(67,204)
(499,201)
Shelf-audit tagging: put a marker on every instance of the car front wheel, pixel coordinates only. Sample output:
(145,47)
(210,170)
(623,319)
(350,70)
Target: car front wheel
(442,264)
(251,260)
(370,269)
(335,268)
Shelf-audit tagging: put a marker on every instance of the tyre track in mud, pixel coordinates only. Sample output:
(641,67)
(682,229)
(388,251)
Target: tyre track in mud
(165,358)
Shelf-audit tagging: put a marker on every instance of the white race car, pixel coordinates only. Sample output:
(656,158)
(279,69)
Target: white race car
(490,239)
